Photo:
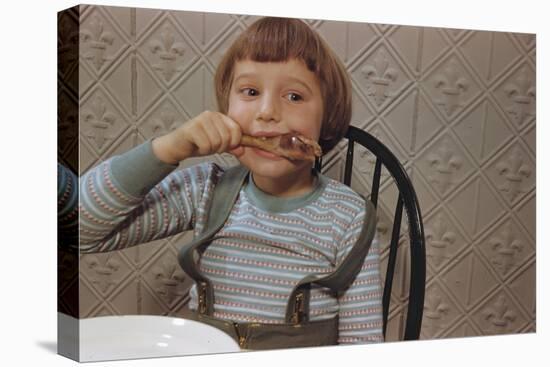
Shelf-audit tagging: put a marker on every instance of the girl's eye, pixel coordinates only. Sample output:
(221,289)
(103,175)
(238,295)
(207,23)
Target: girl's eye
(293,97)
(250,92)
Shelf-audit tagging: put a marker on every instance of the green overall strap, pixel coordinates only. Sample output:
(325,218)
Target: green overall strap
(341,278)
(224,196)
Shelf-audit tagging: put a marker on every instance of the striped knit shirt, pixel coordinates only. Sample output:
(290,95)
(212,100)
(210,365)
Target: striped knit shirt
(67,207)
(264,248)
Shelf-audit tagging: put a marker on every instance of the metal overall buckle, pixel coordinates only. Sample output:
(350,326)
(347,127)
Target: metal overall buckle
(242,334)
(202,298)
(299,309)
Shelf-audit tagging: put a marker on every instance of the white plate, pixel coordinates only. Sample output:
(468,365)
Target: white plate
(140,336)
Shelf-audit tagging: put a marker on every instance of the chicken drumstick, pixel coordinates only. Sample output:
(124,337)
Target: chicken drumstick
(292,146)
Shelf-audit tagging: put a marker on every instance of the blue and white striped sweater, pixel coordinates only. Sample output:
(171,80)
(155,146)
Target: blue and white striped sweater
(135,198)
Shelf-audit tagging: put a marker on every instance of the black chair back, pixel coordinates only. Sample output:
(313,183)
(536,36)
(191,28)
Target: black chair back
(406,199)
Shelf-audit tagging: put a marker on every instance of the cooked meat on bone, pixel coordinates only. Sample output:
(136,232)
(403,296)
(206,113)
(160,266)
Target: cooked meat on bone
(292,146)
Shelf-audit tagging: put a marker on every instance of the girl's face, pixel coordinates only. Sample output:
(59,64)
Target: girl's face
(273,98)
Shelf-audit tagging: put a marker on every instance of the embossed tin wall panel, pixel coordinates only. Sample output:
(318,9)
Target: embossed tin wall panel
(457,107)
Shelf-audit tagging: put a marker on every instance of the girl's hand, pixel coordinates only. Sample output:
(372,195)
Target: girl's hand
(206,134)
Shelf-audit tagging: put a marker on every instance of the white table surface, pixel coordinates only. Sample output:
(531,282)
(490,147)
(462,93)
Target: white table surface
(141,336)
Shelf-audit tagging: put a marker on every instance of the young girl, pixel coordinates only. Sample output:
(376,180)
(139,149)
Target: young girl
(287,221)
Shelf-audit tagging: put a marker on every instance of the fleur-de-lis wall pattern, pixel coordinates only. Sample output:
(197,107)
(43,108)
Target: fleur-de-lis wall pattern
(445,161)
(436,312)
(440,237)
(452,85)
(168,51)
(98,40)
(169,279)
(514,171)
(100,120)
(522,95)
(380,75)
(500,316)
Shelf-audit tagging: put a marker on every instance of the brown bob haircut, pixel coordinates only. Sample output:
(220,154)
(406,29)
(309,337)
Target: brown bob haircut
(272,39)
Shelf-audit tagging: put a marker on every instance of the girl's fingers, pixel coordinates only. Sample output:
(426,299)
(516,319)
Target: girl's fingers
(201,141)
(224,133)
(234,131)
(211,132)
(238,151)
(213,135)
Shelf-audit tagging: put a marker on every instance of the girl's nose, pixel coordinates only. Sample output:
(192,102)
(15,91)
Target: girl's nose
(269,108)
